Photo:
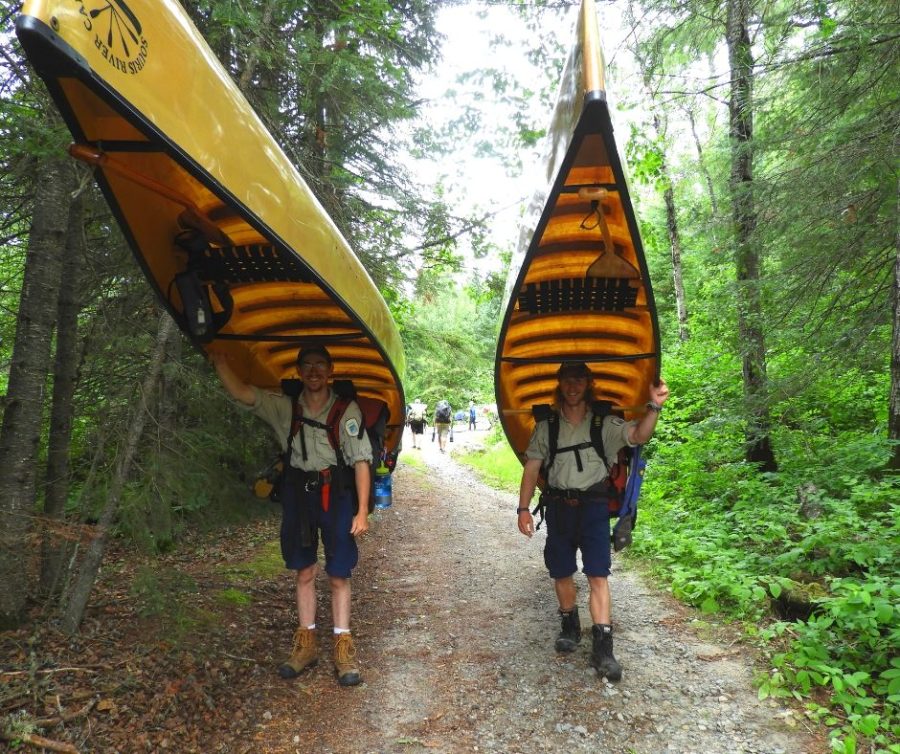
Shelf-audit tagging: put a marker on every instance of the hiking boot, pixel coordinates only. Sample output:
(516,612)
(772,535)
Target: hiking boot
(602,658)
(345,660)
(305,654)
(570,633)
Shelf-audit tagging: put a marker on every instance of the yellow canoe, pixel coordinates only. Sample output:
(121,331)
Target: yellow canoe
(578,287)
(226,230)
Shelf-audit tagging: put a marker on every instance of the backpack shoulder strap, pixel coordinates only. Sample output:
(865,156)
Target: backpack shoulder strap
(333,425)
(599,410)
(296,426)
(546,412)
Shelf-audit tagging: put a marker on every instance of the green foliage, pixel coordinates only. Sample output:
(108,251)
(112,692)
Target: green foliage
(825,530)
(496,465)
(232,596)
(167,595)
(450,336)
(266,565)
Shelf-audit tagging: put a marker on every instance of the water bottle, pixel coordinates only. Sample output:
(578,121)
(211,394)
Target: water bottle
(382,487)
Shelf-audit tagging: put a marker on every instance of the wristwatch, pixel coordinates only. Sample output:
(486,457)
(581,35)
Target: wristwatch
(522,510)
(653,406)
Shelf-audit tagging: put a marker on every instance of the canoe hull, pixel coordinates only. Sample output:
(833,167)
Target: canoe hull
(206,199)
(579,288)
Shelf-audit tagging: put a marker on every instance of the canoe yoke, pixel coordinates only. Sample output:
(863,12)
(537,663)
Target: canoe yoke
(578,295)
(212,270)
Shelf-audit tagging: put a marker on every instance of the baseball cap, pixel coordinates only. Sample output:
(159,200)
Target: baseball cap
(311,349)
(574,369)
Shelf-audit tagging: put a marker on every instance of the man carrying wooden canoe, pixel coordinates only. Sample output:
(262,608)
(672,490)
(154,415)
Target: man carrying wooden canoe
(577,512)
(315,498)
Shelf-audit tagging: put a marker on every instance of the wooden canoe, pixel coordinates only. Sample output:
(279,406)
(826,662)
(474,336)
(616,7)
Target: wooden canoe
(578,287)
(219,219)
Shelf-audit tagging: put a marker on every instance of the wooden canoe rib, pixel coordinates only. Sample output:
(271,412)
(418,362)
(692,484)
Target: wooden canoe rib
(578,287)
(218,218)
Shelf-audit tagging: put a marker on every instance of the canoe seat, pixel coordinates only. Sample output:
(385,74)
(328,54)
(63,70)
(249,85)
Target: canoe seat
(256,263)
(578,295)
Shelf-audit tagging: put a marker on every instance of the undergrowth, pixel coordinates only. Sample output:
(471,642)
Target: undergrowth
(807,559)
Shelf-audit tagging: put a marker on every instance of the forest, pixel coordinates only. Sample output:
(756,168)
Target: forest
(762,144)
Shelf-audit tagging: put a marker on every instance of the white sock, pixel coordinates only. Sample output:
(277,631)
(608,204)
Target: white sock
(341,631)
(311,628)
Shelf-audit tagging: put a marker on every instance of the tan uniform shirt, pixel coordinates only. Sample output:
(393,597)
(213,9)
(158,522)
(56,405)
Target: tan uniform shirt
(276,410)
(564,472)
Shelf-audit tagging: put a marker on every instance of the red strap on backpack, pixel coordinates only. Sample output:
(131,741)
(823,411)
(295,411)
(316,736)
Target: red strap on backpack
(326,488)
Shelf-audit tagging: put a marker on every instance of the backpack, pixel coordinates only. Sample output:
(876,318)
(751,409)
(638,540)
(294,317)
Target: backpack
(417,413)
(442,412)
(375,415)
(624,476)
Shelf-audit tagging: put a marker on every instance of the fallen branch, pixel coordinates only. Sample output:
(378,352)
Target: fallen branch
(241,659)
(46,671)
(47,722)
(40,742)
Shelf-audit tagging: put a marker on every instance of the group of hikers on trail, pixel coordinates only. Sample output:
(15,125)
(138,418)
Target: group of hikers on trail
(327,480)
(417,419)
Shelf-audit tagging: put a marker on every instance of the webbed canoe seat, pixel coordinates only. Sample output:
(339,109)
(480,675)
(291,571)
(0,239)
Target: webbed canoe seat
(590,294)
(252,263)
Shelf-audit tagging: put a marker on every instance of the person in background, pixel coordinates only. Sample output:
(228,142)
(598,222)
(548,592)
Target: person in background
(417,421)
(320,494)
(472,414)
(443,423)
(577,512)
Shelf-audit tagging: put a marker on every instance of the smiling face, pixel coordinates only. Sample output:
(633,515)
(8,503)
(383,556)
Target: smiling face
(315,370)
(574,390)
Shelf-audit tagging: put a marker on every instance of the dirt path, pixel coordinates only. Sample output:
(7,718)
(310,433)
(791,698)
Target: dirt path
(455,624)
(454,621)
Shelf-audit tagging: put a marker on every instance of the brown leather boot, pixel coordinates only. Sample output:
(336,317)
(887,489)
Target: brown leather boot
(345,660)
(304,655)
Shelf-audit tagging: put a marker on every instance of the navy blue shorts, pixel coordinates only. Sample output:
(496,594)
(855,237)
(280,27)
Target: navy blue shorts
(571,528)
(341,552)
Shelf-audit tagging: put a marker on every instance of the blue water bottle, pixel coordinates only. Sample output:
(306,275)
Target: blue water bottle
(382,487)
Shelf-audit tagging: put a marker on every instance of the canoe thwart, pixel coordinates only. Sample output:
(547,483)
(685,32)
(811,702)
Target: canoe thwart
(539,410)
(191,216)
(578,295)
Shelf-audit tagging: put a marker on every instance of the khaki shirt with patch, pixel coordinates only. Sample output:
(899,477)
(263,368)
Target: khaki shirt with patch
(564,472)
(276,410)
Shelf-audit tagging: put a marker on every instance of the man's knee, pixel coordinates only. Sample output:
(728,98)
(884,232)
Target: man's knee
(306,576)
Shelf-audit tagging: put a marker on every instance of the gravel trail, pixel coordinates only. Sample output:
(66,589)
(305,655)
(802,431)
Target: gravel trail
(454,618)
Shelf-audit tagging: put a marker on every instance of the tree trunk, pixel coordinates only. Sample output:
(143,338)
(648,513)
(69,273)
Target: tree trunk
(87,574)
(701,163)
(660,127)
(167,404)
(894,406)
(759,448)
(254,48)
(21,431)
(674,236)
(65,374)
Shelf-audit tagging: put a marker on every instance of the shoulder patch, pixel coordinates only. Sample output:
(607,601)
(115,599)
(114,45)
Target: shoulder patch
(352,427)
